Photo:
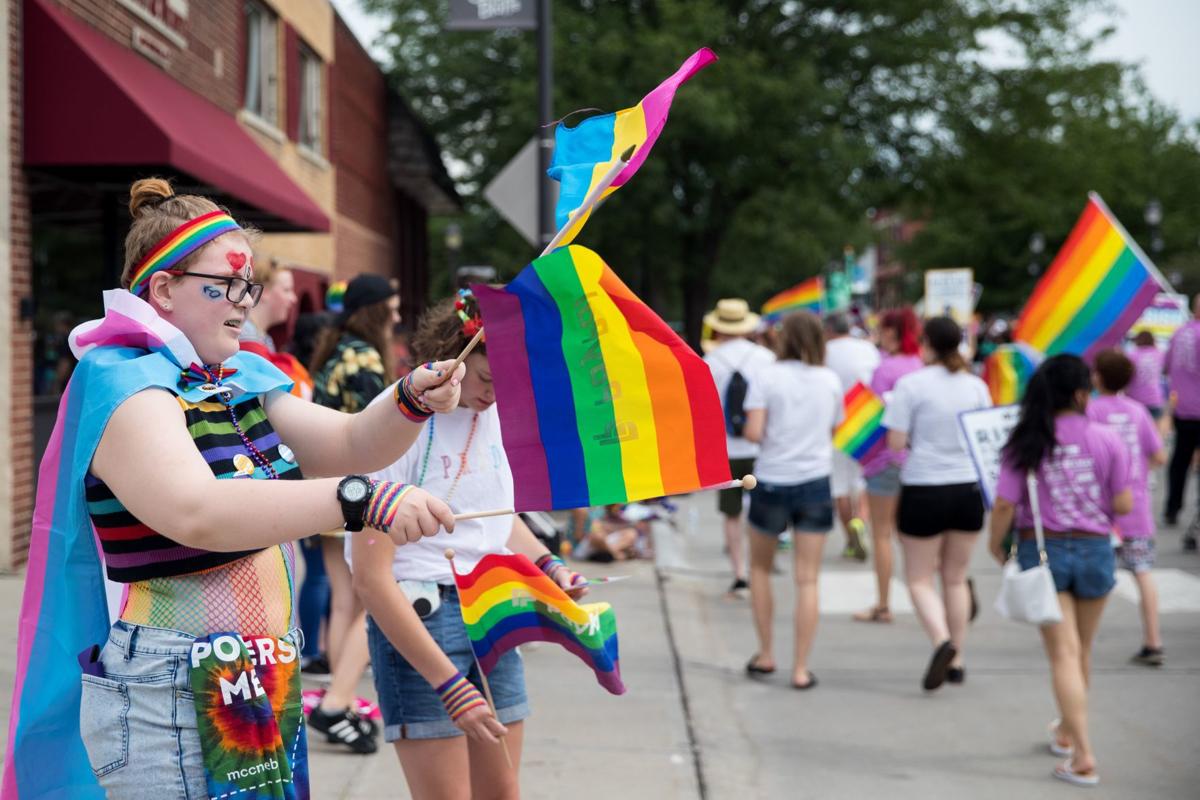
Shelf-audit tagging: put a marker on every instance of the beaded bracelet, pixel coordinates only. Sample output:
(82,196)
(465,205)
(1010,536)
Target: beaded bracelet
(385,501)
(459,696)
(407,402)
(551,564)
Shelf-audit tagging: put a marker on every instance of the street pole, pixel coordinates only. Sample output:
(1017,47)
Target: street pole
(545,111)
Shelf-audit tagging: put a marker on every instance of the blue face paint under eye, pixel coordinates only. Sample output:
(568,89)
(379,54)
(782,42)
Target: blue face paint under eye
(212,292)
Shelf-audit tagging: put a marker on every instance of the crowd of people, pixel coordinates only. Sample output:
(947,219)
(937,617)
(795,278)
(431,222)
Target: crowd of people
(1089,438)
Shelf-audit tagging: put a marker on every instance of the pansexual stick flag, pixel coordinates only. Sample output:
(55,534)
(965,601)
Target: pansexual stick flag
(1095,290)
(506,601)
(861,434)
(600,402)
(583,154)
(805,296)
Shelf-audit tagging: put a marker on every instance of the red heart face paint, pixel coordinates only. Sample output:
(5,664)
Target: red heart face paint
(236,260)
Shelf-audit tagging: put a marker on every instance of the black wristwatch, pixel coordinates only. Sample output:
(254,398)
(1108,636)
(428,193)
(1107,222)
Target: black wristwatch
(354,492)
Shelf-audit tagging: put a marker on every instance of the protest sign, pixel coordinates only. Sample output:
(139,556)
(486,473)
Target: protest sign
(985,431)
(1168,312)
(950,292)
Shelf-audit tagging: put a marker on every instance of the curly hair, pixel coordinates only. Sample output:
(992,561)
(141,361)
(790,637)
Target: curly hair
(440,334)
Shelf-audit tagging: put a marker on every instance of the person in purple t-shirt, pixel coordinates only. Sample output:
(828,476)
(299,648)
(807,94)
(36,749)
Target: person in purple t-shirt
(900,341)
(1183,374)
(1132,422)
(1081,469)
(1147,384)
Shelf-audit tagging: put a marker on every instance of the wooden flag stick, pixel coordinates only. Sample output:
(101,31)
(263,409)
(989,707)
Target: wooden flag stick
(746,482)
(487,690)
(495,512)
(466,351)
(594,197)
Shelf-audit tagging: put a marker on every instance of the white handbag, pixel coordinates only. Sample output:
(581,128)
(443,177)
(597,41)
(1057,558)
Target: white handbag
(1029,595)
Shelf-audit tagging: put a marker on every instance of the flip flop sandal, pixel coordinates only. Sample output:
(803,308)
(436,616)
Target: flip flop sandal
(753,669)
(804,687)
(1056,748)
(1064,773)
(874,614)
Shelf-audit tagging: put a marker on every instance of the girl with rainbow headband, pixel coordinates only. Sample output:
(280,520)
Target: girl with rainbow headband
(181,456)
(425,672)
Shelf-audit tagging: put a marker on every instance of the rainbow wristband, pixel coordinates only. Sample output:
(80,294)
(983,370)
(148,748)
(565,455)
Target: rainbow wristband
(551,564)
(385,500)
(406,401)
(459,696)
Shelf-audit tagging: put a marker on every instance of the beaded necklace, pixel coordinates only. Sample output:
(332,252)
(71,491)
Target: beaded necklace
(463,457)
(226,398)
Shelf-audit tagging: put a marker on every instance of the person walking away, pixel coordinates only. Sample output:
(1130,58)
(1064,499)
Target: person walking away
(1183,374)
(791,410)
(1133,423)
(425,672)
(854,361)
(1081,469)
(899,339)
(351,365)
(1147,384)
(734,361)
(940,511)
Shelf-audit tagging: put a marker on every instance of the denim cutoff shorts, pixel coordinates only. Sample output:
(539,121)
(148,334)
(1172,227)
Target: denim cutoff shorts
(886,483)
(138,722)
(411,707)
(1083,567)
(807,507)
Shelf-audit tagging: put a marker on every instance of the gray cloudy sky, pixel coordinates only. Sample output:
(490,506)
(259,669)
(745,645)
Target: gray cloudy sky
(1162,35)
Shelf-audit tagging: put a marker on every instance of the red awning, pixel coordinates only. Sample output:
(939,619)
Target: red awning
(90,102)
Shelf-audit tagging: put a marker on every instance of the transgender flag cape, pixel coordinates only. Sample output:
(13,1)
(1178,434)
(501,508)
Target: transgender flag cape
(64,610)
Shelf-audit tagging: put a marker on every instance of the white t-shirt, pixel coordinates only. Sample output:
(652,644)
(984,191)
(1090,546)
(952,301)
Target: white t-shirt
(803,405)
(747,358)
(925,404)
(486,483)
(854,360)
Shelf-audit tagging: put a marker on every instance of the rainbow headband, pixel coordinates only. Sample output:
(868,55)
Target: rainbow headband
(179,244)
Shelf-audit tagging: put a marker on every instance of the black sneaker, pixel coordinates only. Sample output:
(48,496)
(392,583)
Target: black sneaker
(315,665)
(956,675)
(1149,657)
(739,588)
(342,727)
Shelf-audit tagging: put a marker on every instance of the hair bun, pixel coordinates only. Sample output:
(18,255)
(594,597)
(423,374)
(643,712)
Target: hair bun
(147,193)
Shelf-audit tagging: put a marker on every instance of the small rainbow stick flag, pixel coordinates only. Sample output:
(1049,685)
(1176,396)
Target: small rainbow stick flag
(1006,372)
(600,402)
(1096,288)
(805,296)
(583,154)
(506,601)
(861,434)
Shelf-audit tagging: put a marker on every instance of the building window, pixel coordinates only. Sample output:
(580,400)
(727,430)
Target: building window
(310,99)
(262,63)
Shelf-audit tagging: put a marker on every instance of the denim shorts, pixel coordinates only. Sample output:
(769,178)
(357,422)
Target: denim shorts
(886,483)
(1083,567)
(410,706)
(138,722)
(807,507)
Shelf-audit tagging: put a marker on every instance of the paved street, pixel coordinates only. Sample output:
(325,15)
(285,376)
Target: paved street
(691,726)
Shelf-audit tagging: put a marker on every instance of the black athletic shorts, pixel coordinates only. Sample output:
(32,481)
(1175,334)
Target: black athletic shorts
(930,510)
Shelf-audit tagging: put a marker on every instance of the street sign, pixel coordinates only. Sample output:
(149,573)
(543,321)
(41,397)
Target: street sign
(950,292)
(514,192)
(487,15)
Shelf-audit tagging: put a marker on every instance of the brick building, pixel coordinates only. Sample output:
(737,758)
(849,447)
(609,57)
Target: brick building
(271,107)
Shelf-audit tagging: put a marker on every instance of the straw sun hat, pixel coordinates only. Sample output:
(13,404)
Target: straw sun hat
(732,317)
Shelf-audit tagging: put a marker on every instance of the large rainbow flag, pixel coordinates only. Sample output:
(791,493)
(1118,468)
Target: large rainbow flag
(804,296)
(584,153)
(507,601)
(1007,371)
(861,433)
(1096,288)
(600,402)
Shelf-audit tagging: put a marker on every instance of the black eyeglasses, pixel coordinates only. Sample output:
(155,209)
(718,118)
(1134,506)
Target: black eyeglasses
(236,288)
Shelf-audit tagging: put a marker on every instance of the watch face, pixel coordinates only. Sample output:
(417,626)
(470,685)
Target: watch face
(354,491)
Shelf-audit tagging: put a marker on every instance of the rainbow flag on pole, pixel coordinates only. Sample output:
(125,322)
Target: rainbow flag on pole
(506,601)
(861,434)
(805,296)
(584,153)
(1007,371)
(600,402)
(1096,288)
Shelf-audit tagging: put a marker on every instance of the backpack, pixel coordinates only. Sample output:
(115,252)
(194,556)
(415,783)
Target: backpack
(734,403)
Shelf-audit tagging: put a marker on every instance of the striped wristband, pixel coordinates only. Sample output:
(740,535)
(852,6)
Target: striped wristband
(385,500)
(407,402)
(551,564)
(459,696)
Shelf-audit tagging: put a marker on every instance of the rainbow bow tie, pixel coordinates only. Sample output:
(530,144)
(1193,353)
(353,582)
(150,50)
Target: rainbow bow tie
(197,375)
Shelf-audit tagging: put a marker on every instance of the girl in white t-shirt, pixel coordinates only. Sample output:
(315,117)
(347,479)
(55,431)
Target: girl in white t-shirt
(425,674)
(792,407)
(940,513)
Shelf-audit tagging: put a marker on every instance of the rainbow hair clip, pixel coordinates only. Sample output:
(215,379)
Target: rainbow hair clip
(179,244)
(467,309)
